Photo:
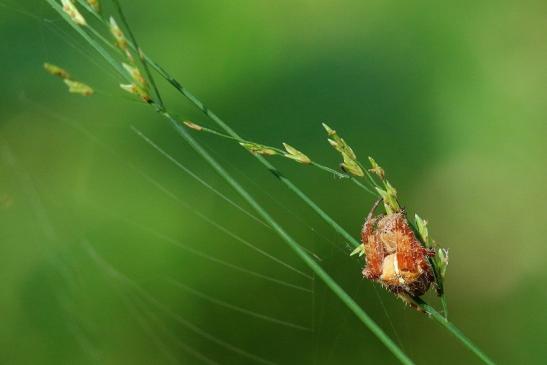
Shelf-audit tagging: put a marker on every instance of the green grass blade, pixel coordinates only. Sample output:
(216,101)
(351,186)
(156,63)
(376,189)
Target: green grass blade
(139,53)
(308,260)
(209,113)
(455,330)
(201,106)
(343,296)
(111,60)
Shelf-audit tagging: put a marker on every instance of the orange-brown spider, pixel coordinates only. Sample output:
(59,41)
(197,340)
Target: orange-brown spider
(394,256)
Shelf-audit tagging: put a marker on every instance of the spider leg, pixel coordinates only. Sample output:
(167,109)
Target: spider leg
(408,300)
(369,216)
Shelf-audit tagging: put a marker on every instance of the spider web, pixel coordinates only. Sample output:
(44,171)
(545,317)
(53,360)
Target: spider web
(176,315)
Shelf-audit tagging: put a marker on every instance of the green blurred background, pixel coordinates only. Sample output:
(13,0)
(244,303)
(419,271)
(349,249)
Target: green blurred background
(449,97)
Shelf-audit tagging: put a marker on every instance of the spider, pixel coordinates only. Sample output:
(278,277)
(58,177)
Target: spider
(394,256)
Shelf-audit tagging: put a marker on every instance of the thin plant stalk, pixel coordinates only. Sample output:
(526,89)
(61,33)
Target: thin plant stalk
(80,30)
(343,296)
(308,260)
(211,115)
(454,330)
(278,151)
(140,54)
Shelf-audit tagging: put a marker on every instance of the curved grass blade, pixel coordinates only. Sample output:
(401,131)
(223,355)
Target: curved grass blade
(344,297)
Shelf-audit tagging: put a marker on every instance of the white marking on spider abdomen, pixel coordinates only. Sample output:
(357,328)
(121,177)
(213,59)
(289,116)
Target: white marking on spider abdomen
(397,272)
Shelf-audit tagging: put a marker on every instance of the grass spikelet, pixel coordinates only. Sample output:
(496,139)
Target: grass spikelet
(389,196)
(376,169)
(70,9)
(56,71)
(135,74)
(296,155)
(137,91)
(120,40)
(193,126)
(95,5)
(76,87)
(349,163)
(258,149)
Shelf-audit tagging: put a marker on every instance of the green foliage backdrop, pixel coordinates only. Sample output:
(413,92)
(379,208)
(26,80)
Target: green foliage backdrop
(449,98)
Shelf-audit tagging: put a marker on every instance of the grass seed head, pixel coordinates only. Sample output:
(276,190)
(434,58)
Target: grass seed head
(70,9)
(296,155)
(135,74)
(138,91)
(376,169)
(350,163)
(193,126)
(258,149)
(121,40)
(56,71)
(95,5)
(76,87)
(421,224)
(442,261)
(389,196)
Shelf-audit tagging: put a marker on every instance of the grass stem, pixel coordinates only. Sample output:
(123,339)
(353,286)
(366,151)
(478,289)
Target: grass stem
(308,260)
